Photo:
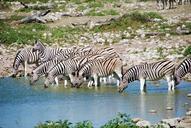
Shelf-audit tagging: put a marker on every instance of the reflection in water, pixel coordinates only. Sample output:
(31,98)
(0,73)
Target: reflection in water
(23,106)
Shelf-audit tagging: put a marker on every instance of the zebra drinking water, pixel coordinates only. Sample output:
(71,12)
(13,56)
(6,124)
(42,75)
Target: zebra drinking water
(149,71)
(25,56)
(97,68)
(42,69)
(65,68)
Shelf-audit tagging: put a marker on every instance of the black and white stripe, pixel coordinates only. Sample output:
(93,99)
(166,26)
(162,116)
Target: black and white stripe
(42,70)
(98,67)
(25,56)
(149,71)
(182,69)
(46,53)
(65,68)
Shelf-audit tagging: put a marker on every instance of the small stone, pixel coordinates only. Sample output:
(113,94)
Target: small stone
(135,120)
(169,108)
(189,95)
(188,113)
(152,111)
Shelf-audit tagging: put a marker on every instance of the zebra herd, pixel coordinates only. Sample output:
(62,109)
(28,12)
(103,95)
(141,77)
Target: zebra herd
(162,4)
(79,64)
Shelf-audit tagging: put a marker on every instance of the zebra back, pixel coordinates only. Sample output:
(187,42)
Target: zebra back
(27,55)
(150,71)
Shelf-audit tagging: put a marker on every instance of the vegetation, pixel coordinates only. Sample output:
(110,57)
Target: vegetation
(120,121)
(187,51)
(134,20)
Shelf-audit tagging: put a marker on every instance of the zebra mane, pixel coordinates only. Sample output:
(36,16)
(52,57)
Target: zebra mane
(18,52)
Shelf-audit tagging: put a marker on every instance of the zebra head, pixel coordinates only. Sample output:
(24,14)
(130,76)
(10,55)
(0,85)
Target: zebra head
(49,80)
(38,46)
(122,86)
(75,77)
(34,77)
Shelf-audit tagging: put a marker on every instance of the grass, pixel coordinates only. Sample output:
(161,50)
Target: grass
(93,12)
(187,51)
(134,20)
(120,121)
(26,33)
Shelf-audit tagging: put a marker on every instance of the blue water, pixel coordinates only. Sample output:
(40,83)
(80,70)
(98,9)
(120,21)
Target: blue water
(24,106)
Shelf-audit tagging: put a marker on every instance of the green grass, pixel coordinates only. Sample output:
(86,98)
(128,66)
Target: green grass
(93,12)
(134,20)
(187,51)
(26,33)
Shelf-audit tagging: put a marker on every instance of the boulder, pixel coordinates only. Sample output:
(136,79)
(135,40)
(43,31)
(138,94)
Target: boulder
(172,122)
(143,123)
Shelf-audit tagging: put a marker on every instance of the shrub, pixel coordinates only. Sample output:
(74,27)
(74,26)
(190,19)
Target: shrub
(121,121)
(187,51)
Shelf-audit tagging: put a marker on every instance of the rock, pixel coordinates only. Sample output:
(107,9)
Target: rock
(172,122)
(189,95)
(135,120)
(152,111)
(124,41)
(143,123)
(169,108)
(188,113)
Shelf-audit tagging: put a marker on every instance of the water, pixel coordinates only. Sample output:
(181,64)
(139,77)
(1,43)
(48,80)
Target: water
(23,106)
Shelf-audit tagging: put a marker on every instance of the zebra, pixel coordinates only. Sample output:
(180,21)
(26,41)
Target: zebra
(66,54)
(65,68)
(180,2)
(42,70)
(149,71)
(165,3)
(182,69)
(45,53)
(25,56)
(96,68)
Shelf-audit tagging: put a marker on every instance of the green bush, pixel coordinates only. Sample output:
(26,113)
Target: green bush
(187,51)
(121,121)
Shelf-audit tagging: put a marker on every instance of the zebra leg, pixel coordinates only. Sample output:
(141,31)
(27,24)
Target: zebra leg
(90,83)
(109,78)
(168,78)
(25,65)
(95,80)
(142,85)
(104,80)
(65,83)
(56,80)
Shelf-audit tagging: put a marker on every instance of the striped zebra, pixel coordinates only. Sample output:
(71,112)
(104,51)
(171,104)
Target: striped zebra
(180,2)
(65,68)
(42,70)
(66,54)
(97,68)
(46,53)
(166,3)
(25,56)
(149,71)
(182,69)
